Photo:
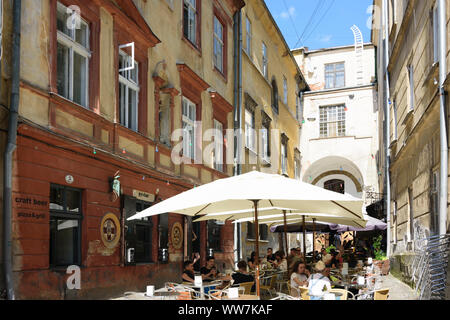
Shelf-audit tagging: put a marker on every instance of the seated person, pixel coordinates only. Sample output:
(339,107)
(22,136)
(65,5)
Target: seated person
(242,275)
(319,281)
(209,272)
(252,261)
(270,256)
(188,272)
(280,261)
(299,277)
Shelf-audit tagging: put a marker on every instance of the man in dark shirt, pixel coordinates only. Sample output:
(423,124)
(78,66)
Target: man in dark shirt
(270,256)
(209,272)
(242,275)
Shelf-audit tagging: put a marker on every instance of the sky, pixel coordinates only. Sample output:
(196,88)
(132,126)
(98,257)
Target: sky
(321,23)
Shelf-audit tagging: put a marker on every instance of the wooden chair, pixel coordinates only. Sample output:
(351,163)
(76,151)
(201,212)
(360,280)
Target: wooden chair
(382,294)
(247,286)
(304,293)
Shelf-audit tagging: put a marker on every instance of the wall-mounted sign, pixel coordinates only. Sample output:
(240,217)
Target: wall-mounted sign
(144,196)
(69,179)
(177,235)
(110,230)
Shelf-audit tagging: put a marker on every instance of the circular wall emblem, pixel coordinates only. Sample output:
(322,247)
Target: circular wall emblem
(177,235)
(110,230)
(69,179)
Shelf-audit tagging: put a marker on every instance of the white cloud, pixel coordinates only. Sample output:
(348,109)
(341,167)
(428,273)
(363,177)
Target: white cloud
(327,38)
(289,12)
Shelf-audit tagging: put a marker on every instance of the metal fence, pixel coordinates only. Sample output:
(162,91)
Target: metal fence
(429,267)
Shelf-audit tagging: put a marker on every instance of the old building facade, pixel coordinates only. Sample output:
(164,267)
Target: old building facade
(414,135)
(271,82)
(115,113)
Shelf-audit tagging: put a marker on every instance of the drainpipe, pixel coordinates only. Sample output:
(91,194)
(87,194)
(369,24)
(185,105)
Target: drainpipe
(387,128)
(442,118)
(237,34)
(10,147)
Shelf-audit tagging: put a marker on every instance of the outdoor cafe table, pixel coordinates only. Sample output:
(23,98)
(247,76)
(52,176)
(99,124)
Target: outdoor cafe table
(243,297)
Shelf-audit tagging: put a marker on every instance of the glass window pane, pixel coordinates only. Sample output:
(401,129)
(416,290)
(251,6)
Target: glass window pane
(73,201)
(79,79)
(56,198)
(132,109)
(62,70)
(62,20)
(81,35)
(64,242)
(123,106)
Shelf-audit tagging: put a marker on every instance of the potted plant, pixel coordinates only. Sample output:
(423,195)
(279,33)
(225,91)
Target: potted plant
(380,258)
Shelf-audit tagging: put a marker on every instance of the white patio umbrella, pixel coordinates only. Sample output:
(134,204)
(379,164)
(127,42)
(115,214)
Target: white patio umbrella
(237,196)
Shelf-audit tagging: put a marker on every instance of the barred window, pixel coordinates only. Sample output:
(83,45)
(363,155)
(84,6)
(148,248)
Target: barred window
(332,121)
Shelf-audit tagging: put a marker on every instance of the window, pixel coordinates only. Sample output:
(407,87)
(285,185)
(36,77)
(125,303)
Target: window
(334,75)
(410,232)
(263,231)
(265,61)
(332,121)
(65,226)
(128,92)
(275,95)
(218,45)
(214,230)
(218,146)
(138,233)
(265,142)
(435,24)
(284,157)
(248,36)
(335,185)
(72,56)
(434,195)
(297,164)
(188,119)
(250,129)
(190,21)
(394,105)
(285,90)
(411,87)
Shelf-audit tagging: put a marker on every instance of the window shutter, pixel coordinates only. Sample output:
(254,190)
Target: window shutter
(163,228)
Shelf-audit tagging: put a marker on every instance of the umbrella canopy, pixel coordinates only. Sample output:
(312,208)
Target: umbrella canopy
(238,196)
(372,225)
(319,227)
(234,197)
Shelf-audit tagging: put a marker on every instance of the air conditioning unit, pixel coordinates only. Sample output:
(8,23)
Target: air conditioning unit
(130,255)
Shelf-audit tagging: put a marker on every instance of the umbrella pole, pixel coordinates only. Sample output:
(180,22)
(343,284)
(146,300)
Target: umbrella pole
(285,232)
(314,239)
(304,238)
(257,246)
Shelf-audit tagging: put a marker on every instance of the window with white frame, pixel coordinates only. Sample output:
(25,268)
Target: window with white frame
(218,44)
(73,56)
(188,119)
(284,158)
(285,90)
(128,92)
(218,145)
(248,25)
(335,75)
(190,20)
(264,61)
(297,166)
(250,129)
(332,121)
(265,142)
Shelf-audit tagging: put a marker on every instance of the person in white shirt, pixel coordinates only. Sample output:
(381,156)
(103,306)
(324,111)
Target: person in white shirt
(319,281)
(299,278)
(280,261)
